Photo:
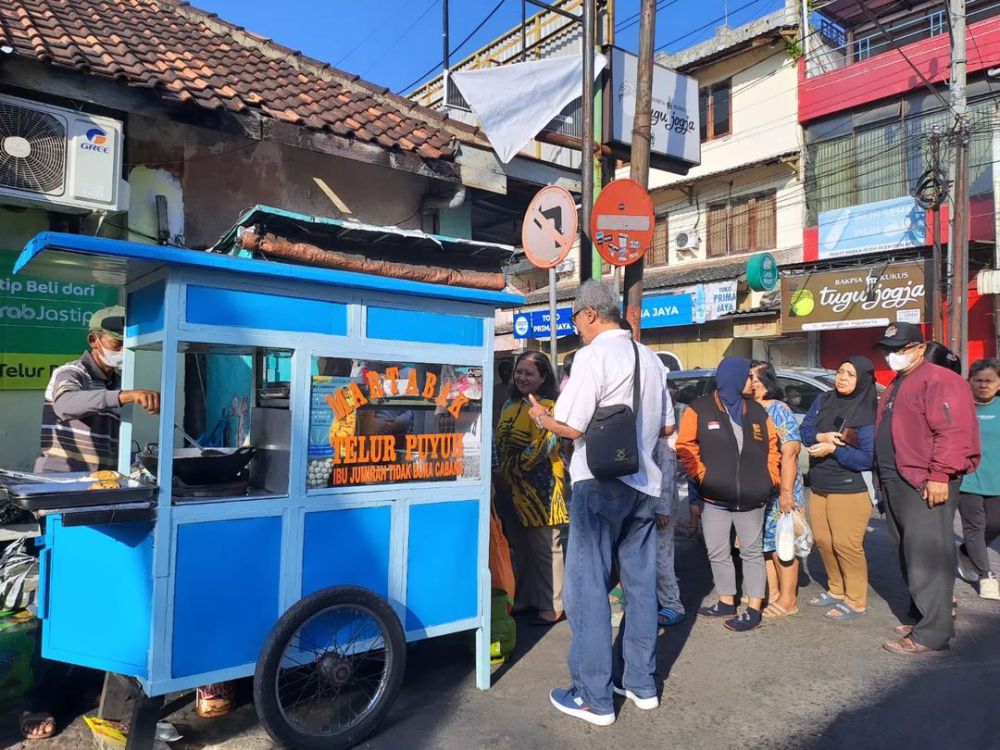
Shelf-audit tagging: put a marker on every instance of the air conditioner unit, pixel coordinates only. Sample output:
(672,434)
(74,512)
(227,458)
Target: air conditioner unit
(687,241)
(60,159)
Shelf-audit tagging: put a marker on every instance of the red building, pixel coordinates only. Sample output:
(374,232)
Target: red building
(872,89)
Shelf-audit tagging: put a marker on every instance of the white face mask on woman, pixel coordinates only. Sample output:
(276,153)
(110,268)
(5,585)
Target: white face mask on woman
(899,361)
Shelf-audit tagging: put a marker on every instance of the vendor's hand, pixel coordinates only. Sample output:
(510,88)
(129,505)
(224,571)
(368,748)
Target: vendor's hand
(537,411)
(821,449)
(935,493)
(148,400)
(786,502)
(662,521)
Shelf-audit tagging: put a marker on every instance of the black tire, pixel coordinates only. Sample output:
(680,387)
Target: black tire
(325,670)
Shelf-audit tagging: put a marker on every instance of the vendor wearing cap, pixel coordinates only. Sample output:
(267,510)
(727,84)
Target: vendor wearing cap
(926,439)
(80,420)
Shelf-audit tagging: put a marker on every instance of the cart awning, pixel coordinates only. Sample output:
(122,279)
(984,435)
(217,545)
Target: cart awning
(97,260)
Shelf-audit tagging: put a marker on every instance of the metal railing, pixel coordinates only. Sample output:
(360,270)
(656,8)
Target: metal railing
(835,47)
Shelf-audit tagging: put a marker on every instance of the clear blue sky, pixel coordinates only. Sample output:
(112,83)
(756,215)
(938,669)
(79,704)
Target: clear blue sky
(392,42)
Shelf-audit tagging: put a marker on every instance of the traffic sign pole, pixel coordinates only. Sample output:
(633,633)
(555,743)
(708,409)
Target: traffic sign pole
(553,323)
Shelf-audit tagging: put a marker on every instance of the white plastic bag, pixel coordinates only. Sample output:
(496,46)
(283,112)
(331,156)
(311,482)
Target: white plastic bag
(803,534)
(785,538)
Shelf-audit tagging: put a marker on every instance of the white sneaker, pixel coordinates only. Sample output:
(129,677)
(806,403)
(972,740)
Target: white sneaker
(989,588)
(646,704)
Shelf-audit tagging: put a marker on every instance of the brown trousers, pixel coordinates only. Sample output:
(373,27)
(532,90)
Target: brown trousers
(839,523)
(539,565)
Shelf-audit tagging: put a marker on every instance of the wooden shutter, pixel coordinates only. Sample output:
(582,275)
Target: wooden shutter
(718,234)
(657,255)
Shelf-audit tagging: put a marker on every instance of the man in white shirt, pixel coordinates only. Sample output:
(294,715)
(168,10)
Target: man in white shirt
(609,519)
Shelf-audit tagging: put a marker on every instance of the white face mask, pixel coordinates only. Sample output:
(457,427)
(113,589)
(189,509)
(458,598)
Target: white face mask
(112,359)
(898,361)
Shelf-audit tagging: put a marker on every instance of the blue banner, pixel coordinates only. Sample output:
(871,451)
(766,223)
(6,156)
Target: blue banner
(535,325)
(873,227)
(667,310)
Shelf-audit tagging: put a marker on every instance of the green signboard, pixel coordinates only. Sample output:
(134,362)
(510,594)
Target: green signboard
(43,324)
(762,272)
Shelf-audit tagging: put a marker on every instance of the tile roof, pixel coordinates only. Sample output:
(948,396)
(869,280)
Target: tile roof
(192,56)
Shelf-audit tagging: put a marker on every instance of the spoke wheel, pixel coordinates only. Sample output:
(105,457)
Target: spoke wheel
(330,669)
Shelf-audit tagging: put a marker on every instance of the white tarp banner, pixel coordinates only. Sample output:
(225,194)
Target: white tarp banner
(514,102)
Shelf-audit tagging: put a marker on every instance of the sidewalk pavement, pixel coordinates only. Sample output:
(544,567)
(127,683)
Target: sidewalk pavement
(799,682)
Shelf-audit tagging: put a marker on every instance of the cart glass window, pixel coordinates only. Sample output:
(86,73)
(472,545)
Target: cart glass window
(393,422)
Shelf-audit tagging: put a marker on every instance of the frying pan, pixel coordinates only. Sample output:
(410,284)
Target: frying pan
(194,467)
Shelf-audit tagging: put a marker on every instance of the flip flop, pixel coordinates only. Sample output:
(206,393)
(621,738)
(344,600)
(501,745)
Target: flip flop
(906,646)
(824,600)
(846,613)
(903,630)
(667,617)
(776,610)
(39,720)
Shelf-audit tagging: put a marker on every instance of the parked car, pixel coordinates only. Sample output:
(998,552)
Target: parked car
(802,385)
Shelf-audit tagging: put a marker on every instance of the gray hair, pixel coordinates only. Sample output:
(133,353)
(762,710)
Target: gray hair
(601,298)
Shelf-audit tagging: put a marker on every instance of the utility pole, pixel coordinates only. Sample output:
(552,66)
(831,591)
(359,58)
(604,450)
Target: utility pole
(641,136)
(958,319)
(587,147)
(937,288)
(445,54)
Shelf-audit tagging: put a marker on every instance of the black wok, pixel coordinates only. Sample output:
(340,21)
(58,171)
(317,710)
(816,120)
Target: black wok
(193,467)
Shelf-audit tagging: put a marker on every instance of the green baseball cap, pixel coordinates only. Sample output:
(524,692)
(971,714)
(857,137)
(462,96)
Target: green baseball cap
(109,320)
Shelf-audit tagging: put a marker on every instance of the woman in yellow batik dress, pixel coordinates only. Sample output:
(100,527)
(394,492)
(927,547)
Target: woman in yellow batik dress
(532,467)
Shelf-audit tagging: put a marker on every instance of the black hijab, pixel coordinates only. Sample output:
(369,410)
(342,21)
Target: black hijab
(857,408)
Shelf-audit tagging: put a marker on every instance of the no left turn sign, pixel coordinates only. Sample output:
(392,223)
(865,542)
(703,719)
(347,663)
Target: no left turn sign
(550,226)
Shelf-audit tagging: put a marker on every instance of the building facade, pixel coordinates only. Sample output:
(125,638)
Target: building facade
(873,92)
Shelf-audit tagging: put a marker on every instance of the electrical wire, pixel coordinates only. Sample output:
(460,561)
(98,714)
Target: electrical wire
(434,68)
(398,39)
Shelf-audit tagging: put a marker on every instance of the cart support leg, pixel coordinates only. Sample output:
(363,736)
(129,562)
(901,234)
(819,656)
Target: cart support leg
(145,714)
(483,637)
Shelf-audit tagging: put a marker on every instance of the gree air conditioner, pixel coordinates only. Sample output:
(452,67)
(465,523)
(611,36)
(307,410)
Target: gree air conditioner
(687,241)
(58,159)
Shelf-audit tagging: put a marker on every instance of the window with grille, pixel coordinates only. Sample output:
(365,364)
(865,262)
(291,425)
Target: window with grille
(717,240)
(745,225)
(715,106)
(657,255)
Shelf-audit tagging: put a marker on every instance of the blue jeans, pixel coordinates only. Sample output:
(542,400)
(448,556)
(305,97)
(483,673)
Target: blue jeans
(610,520)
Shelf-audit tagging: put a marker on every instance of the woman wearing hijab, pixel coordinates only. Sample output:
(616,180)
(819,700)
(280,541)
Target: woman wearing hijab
(839,431)
(729,447)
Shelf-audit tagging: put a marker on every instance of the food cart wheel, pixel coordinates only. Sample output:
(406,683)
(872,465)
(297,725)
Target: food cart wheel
(330,669)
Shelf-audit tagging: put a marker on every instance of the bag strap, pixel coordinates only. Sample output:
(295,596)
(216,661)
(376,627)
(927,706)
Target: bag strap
(635,385)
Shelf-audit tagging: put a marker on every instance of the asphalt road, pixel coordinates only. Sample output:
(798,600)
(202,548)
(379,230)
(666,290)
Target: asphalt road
(801,682)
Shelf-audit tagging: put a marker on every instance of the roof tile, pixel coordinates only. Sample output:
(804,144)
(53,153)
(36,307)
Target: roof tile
(192,56)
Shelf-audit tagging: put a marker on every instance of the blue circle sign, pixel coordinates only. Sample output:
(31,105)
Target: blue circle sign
(762,272)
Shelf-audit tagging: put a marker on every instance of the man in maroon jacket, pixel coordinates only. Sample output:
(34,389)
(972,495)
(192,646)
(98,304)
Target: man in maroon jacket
(926,439)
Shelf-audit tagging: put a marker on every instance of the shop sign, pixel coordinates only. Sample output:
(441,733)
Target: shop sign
(867,297)
(713,301)
(667,310)
(762,272)
(753,329)
(675,141)
(43,324)
(394,422)
(535,324)
(873,227)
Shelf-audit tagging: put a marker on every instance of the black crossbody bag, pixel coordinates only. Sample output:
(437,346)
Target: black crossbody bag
(611,436)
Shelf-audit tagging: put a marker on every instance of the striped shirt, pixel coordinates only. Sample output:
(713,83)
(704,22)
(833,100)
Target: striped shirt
(80,419)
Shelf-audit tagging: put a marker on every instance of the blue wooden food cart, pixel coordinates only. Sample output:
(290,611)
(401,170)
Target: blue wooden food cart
(356,515)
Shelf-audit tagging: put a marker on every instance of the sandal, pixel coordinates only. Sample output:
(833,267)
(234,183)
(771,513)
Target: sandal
(903,630)
(906,646)
(776,610)
(37,726)
(845,612)
(667,617)
(826,599)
